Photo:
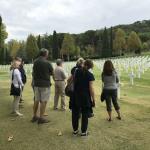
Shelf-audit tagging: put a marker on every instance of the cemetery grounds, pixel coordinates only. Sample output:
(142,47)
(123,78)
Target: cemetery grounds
(131,133)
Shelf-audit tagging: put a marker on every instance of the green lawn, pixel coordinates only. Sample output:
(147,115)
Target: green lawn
(132,133)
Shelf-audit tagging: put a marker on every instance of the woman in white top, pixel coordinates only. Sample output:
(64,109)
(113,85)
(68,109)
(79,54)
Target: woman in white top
(16,86)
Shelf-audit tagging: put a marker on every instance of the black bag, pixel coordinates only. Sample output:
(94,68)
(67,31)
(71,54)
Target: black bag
(102,96)
(69,88)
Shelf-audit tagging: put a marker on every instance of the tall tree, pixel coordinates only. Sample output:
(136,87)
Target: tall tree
(77,51)
(55,46)
(13,47)
(119,44)
(134,43)
(22,51)
(89,50)
(39,42)
(105,44)
(0,32)
(145,46)
(68,46)
(111,40)
(3,36)
(31,48)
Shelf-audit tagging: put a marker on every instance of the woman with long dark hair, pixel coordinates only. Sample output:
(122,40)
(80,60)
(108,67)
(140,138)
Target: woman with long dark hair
(110,85)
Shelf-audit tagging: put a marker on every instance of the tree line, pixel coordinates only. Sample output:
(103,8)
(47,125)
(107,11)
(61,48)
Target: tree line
(107,42)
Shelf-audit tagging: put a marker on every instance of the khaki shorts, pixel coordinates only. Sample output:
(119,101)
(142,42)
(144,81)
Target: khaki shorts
(42,94)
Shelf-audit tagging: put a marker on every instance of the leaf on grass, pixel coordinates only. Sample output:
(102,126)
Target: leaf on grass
(10,138)
(59,133)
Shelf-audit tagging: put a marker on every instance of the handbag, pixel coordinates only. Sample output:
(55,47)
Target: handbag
(69,88)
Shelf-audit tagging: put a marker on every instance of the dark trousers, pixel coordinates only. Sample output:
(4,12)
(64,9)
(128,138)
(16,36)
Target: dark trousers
(76,112)
(111,97)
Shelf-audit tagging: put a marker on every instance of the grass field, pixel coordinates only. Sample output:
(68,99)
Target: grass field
(131,133)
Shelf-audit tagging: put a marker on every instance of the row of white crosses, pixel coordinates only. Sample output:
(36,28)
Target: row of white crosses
(4,68)
(133,66)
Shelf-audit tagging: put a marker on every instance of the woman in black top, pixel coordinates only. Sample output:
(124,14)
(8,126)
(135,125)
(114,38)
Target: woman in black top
(84,97)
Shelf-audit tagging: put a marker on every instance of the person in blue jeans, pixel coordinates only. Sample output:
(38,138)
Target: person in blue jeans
(110,85)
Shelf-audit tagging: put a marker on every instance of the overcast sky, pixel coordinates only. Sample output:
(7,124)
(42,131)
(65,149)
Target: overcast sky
(74,16)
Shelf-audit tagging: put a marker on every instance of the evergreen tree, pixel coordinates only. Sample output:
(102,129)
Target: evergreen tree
(105,44)
(111,40)
(55,46)
(39,42)
(3,36)
(31,48)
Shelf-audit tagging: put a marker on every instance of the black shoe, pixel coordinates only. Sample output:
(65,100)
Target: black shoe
(84,134)
(75,133)
(42,120)
(34,119)
(109,119)
(119,118)
(90,115)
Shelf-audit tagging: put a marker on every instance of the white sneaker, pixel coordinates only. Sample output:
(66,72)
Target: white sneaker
(19,114)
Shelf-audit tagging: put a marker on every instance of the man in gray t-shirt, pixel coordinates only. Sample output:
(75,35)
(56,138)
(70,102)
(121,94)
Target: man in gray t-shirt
(59,77)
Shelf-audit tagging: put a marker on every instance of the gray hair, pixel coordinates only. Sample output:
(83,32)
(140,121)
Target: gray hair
(59,62)
(44,52)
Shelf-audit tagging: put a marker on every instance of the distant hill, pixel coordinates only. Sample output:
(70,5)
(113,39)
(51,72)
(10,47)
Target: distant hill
(141,27)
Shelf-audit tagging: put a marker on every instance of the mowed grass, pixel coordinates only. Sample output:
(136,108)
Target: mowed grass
(131,133)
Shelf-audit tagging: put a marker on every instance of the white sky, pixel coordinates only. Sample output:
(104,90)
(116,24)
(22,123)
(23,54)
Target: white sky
(74,16)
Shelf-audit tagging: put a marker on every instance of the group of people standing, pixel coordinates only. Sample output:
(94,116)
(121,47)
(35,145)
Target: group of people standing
(82,99)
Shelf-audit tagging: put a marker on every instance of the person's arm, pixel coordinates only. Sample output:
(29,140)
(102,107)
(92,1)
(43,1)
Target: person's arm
(117,78)
(51,71)
(18,75)
(63,74)
(92,93)
(102,77)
